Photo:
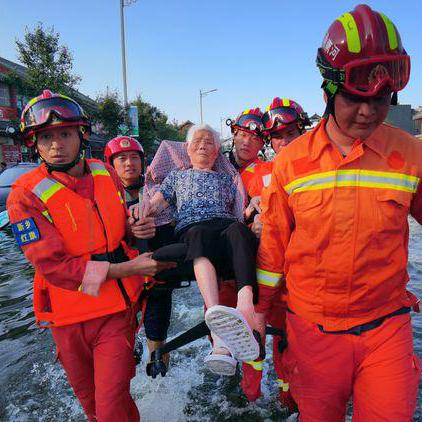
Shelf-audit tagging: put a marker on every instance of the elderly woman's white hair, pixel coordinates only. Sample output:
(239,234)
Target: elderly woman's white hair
(208,128)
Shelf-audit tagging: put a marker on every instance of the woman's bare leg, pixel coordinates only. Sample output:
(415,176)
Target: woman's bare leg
(206,277)
(245,305)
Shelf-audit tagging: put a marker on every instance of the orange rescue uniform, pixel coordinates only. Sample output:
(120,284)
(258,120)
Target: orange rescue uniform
(335,228)
(81,221)
(255,176)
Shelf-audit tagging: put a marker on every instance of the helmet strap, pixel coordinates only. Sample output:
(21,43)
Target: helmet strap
(394,98)
(137,185)
(330,89)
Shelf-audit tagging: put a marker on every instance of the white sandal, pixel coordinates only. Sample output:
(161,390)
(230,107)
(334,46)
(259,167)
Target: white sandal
(230,325)
(221,364)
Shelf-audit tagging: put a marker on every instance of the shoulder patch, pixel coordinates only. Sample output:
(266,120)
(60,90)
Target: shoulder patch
(25,231)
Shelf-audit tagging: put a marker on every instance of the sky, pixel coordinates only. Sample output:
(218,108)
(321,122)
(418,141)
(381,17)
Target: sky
(250,51)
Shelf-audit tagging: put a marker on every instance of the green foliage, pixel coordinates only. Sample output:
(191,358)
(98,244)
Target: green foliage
(110,114)
(154,126)
(49,64)
(22,86)
(153,123)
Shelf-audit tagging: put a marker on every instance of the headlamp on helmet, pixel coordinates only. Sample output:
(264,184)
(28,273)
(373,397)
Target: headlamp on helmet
(248,121)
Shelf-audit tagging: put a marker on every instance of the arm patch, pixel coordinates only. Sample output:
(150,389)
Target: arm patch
(25,231)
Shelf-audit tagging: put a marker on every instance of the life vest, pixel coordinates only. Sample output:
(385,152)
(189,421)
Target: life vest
(255,176)
(88,228)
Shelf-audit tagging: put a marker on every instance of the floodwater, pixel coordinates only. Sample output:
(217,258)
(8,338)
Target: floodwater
(33,386)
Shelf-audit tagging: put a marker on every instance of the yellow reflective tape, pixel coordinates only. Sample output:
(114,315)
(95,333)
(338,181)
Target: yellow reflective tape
(283,385)
(33,101)
(100,173)
(360,184)
(391,32)
(270,273)
(352,32)
(286,102)
(47,215)
(267,278)
(295,184)
(315,176)
(120,196)
(257,365)
(48,193)
(399,176)
(251,168)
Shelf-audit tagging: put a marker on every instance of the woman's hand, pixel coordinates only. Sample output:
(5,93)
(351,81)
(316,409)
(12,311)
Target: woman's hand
(254,205)
(257,226)
(141,227)
(144,228)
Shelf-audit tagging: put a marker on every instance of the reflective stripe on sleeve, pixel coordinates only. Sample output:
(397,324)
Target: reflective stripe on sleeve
(257,365)
(47,215)
(283,385)
(267,278)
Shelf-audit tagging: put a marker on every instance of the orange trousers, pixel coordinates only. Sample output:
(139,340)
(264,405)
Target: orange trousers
(252,371)
(377,368)
(97,356)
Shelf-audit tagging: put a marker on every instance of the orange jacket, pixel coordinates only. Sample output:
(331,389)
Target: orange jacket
(262,178)
(337,227)
(255,176)
(87,228)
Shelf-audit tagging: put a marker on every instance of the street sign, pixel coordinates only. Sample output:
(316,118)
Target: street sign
(133,120)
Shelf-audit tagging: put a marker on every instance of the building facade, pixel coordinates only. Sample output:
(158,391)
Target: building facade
(12,150)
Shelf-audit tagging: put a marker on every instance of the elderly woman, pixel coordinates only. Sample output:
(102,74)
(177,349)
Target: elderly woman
(215,239)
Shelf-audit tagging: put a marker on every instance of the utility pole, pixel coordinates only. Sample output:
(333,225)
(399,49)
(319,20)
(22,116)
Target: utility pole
(122,36)
(124,3)
(203,94)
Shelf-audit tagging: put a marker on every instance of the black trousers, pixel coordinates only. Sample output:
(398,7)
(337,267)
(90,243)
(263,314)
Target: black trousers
(229,245)
(158,310)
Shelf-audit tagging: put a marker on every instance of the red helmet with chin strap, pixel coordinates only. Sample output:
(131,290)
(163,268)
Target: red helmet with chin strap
(281,113)
(248,121)
(362,53)
(50,110)
(121,144)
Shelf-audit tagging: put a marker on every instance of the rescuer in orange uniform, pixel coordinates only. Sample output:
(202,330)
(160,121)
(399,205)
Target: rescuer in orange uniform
(248,140)
(283,121)
(69,217)
(335,230)
(127,157)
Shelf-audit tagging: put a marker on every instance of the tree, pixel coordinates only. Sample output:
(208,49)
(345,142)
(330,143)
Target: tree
(49,64)
(154,126)
(110,114)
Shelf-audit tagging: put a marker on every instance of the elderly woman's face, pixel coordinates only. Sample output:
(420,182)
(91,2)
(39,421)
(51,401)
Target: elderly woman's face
(202,149)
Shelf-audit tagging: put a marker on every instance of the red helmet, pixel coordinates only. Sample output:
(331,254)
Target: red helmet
(50,110)
(121,144)
(363,53)
(248,121)
(283,112)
